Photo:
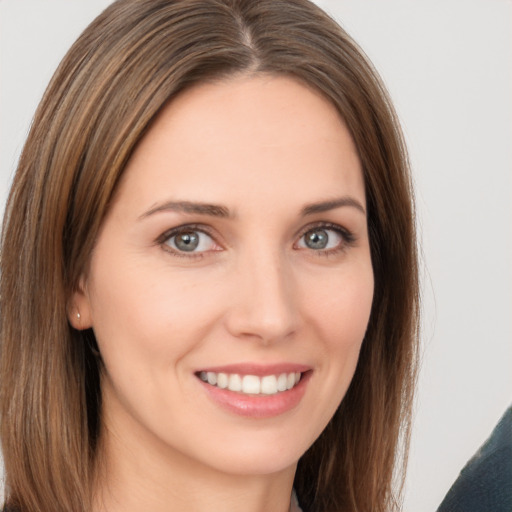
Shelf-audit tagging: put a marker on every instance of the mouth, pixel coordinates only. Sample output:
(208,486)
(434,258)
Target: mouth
(254,390)
(265,385)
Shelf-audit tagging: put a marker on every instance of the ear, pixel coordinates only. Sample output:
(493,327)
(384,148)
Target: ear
(79,309)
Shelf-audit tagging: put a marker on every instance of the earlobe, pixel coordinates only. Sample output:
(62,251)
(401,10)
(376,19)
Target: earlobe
(79,311)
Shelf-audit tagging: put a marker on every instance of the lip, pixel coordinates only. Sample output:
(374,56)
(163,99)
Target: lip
(257,406)
(257,369)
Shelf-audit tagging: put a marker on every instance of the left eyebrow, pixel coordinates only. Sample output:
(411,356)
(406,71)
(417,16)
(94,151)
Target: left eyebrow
(332,204)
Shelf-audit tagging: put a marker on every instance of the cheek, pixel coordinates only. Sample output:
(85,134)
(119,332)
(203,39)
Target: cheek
(338,310)
(340,315)
(340,305)
(142,315)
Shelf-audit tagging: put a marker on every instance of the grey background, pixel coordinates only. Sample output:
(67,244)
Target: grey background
(448,66)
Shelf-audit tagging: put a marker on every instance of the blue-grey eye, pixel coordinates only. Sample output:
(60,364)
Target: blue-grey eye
(191,241)
(186,241)
(320,239)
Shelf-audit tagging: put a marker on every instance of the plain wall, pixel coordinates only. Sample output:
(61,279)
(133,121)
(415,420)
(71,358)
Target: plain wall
(448,66)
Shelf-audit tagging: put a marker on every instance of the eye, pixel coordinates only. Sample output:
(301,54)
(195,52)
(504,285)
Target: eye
(324,238)
(320,239)
(189,240)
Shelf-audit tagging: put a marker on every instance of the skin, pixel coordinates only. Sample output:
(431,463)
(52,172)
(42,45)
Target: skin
(264,148)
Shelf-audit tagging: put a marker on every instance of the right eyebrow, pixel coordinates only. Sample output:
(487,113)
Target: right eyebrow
(214,210)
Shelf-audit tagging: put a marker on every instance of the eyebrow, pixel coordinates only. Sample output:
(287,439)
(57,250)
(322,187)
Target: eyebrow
(216,210)
(213,210)
(332,204)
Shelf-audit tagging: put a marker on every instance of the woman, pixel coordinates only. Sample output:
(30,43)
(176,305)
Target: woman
(209,282)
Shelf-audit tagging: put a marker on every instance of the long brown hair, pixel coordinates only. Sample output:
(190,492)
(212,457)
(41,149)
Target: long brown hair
(134,58)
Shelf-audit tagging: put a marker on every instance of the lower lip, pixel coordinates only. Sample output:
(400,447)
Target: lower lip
(258,406)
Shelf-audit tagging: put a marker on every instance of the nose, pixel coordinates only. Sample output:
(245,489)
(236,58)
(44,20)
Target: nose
(263,305)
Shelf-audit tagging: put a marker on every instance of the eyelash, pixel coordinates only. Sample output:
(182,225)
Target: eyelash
(348,239)
(187,228)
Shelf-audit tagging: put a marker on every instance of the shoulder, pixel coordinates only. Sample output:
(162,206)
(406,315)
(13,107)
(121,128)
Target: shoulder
(484,483)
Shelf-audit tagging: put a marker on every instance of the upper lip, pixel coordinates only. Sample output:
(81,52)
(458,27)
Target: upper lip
(257,369)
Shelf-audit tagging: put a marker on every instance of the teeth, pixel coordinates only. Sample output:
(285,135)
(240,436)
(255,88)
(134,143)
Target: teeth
(290,381)
(252,384)
(281,382)
(269,385)
(222,380)
(235,383)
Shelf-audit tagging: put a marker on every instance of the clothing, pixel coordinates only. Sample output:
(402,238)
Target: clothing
(485,483)
(294,503)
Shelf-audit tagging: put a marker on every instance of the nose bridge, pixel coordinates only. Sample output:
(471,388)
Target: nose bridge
(264,304)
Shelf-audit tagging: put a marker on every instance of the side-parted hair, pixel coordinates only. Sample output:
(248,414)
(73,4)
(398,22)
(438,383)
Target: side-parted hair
(126,66)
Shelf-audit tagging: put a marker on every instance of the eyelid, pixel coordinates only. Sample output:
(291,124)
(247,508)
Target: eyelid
(183,228)
(346,233)
(348,236)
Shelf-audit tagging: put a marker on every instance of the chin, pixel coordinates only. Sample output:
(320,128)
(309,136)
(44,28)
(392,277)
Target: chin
(257,454)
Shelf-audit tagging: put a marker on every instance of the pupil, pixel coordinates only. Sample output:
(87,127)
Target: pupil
(187,241)
(317,239)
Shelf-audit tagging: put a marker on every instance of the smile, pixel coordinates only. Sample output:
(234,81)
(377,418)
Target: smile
(252,384)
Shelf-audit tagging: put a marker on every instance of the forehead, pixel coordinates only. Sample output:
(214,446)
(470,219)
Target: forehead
(246,135)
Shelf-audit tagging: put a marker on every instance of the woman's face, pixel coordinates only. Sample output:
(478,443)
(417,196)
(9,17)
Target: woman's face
(231,283)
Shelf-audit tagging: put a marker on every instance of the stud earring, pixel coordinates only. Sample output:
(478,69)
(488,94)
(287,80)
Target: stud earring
(78,316)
